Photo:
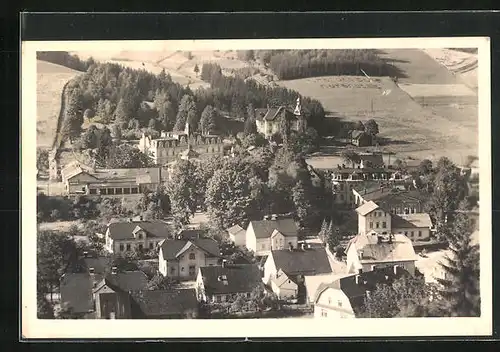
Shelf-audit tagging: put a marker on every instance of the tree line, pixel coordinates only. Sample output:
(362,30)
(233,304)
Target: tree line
(65,59)
(294,64)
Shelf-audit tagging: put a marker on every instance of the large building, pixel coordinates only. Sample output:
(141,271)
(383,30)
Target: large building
(80,179)
(268,120)
(170,145)
(272,233)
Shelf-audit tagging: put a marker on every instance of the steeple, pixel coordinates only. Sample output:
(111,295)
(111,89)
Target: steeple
(298,107)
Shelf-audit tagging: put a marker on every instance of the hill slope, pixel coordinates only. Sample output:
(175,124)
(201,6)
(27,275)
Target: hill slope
(51,79)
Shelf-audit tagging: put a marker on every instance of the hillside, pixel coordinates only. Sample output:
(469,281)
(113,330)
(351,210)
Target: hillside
(50,82)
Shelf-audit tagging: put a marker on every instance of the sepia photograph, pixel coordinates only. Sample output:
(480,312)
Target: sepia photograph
(256,188)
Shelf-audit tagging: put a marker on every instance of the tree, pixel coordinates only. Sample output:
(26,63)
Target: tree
(166,111)
(238,304)
(182,190)
(208,120)
(45,309)
(56,253)
(371,127)
(425,167)
(254,140)
(159,282)
(187,113)
(196,69)
(460,287)
(154,205)
(42,159)
(250,126)
(73,116)
(350,157)
(233,194)
(116,131)
(360,126)
(127,156)
(302,202)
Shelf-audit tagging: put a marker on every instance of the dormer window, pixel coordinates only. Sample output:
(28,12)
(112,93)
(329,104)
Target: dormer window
(139,236)
(192,256)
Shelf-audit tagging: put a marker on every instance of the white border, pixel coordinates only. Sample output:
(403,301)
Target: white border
(34,328)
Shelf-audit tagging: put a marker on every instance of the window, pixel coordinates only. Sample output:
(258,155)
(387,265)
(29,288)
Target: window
(371,225)
(339,303)
(248,294)
(172,270)
(263,246)
(128,246)
(341,186)
(141,247)
(411,234)
(377,224)
(329,300)
(140,236)
(118,190)
(126,191)
(219,299)
(182,269)
(384,224)
(135,190)
(121,247)
(192,270)
(93,191)
(228,298)
(406,233)
(111,191)
(104,191)
(150,245)
(191,256)
(324,313)
(419,233)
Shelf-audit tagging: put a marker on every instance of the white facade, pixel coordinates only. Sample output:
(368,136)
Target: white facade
(333,303)
(377,220)
(187,264)
(139,242)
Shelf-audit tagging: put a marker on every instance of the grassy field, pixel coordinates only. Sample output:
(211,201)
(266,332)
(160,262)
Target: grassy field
(50,81)
(413,130)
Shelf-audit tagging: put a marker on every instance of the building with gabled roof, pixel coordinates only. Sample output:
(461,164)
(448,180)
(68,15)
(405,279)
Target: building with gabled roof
(164,304)
(180,258)
(127,236)
(268,119)
(368,251)
(262,235)
(224,283)
(237,235)
(392,198)
(344,297)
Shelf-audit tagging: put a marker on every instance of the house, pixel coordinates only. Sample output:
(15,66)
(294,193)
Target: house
(345,296)
(361,139)
(415,226)
(373,218)
(180,144)
(191,234)
(76,292)
(295,264)
(224,283)
(396,200)
(268,120)
(111,295)
(79,179)
(284,286)
(369,251)
(181,259)
(237,235)
(262,235)
(312,283)
(163,304)
(131,235)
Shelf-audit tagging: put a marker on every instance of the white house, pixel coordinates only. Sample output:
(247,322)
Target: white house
(271,234)
(372,218)
(237,235)
(284,286)
(367,252)
(181,259)
(268,120)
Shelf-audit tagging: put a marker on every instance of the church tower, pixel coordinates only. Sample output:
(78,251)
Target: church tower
(301,122)
(298,108)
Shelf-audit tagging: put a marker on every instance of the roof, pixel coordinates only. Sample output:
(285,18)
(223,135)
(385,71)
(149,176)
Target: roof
(271,114)
(361,170)
(312,282)
(357,134)
(161,302)
(303,262)
(139,175)
(238,278)
(191,234)
(74,168)
(367,281)
(401,248)
(411,220)
(172,249)
(124,230)
(235,230)
(76,291)
(392,195)
(265,228)
(281,278)
(367,208)
(124,281)
(99,264)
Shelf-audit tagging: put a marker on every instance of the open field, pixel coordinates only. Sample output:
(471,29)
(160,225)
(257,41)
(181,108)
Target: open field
(50,82)
(443,129)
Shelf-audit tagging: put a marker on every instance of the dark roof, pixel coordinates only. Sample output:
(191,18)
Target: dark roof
(76,291)
(393,196)
(173,248)
(304,262)
(411,220)
(367,281)
(160,302)
(270,114)
(191,234)
(239,278)
(99,264)
(125,281)
(123,230)
(265,228)
(357,134)
(362,170)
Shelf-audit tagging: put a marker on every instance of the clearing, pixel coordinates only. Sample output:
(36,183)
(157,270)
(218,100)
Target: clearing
(51,79)
(445,126)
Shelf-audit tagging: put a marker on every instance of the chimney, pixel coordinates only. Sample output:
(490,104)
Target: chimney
(140,217)
(396,267)
(390,239)
(266,217)
(357,279)
(114,270)
(274,216)
(368,292)
(91,271)
(303,246)
(290,246)
(224,263)
(360,271)
(85,254)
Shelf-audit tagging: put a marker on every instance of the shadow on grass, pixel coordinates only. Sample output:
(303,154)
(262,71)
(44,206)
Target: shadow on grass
(384,141)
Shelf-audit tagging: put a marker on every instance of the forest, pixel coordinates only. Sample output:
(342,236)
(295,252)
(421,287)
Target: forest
(294,64)
(65,59)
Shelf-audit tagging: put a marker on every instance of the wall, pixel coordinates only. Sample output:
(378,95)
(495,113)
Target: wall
(408,265)
(375,217)
(269,269)
(180,268)
(287,290)
(424,233)
(333,303)
(239,239)
(352,259)
(251,241)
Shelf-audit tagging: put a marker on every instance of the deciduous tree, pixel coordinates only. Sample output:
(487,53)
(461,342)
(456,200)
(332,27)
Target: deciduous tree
(182,190)
(371,127)
(208,120)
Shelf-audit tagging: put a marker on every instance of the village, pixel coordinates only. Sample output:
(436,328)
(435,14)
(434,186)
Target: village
(194,222)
